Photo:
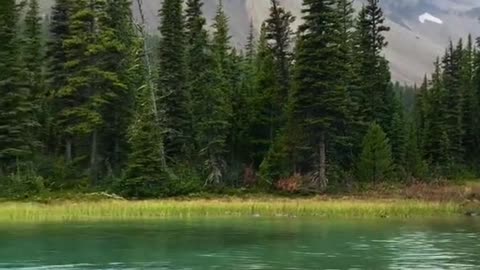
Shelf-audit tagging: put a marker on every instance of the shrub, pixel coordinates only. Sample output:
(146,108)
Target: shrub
(24,183)
(292,184)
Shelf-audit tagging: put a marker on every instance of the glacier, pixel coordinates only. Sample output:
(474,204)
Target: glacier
(429,17)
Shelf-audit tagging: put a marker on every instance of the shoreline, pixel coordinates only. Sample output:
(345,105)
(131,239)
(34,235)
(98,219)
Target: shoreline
(118,210)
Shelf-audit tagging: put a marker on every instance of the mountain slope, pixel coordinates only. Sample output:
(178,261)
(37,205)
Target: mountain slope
(413,45)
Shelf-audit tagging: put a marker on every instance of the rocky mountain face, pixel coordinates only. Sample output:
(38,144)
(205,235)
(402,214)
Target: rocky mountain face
(420,29)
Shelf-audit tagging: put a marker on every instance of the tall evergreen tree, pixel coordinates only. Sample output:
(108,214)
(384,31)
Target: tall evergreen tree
(264,123)
(146,171)
(216,106)
(436,144)
(374,92)
(32,69)
(171,81)
(453,100)
(279,35)
(470,103)
(399,133)
(475,103)
(33,48)
(56,74)
(274,74)
(199,63)
(122,47)
(91,85)
(221,38)
(15,106)
(317,103)
(350,126)
(422,109)
(250,47)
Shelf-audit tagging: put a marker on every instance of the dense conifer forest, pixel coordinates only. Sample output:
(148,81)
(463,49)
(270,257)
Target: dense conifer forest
(91,101)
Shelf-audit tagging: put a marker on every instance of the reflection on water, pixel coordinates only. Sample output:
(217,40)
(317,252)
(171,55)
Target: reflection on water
(244,244)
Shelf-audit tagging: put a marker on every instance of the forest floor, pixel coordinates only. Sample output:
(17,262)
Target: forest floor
(379,201)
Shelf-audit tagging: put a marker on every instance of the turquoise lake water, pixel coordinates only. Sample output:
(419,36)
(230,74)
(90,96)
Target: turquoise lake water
(252,243)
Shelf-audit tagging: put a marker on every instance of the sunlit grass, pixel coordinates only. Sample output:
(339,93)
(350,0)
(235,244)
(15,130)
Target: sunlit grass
(146,210)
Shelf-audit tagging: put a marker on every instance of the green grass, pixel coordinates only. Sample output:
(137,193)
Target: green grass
(112,210)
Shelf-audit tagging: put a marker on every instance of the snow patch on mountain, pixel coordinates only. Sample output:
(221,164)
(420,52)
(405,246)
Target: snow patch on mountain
(429,17)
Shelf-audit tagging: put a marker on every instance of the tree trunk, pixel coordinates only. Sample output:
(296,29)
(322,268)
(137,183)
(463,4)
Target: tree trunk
(93,155)
(68,150)
(116,144)
(322,169)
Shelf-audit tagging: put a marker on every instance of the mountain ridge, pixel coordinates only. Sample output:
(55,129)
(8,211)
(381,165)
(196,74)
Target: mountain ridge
(413,46)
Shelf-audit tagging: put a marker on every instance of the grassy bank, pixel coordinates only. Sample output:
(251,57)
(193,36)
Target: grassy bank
(114,210)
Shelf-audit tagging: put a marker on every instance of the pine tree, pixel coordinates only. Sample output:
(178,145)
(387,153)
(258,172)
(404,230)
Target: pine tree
(91,85)
(33,49)
(375,162)
(422,109)
(32,56)
(374,93)
(56,75)
(171,81)
(15,105)
(475,103)
(414,164)
(199,62)
(146,172)
(273,83)
(216,108)
(470,103)
(453,100)
(279,36)
(122,46)
(350,126)
(317,101)
(264,124)
(399,133)
(250,47)
(436,142)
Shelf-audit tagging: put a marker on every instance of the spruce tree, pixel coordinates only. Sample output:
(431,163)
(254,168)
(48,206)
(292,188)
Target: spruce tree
(273,76)
(56,74)
(436,142)
(453,100)
(91,85)
(475,103)
(414,164)
(15,106)
(199,63)
(422,109)
(375,162)
(470,103)
(221,38)
(215,108)
(264,123)
(373,93)
(399,133)
(250,47)
(171,81)
(33,49)
(350,125)
(317,101)
(279,35)
(32,56)
(146,173)
(123,45)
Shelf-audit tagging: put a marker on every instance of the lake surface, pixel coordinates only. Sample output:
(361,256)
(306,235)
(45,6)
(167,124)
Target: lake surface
(252,243)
